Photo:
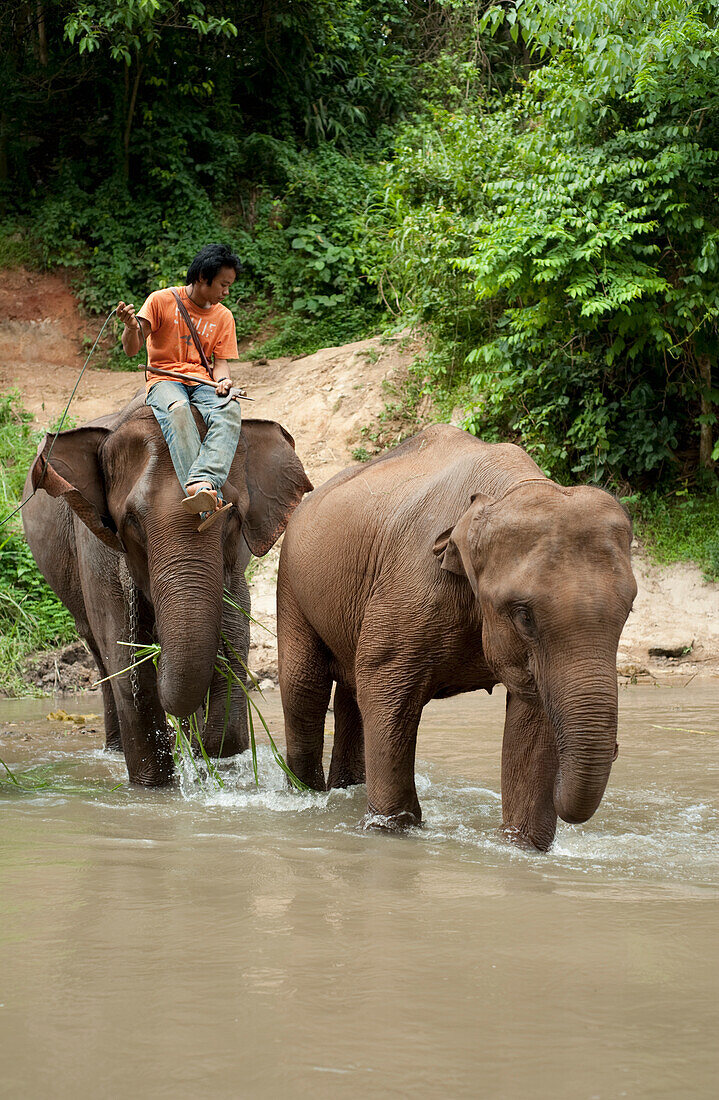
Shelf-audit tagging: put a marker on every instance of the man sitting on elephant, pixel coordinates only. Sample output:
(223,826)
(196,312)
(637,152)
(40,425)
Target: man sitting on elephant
(201,467)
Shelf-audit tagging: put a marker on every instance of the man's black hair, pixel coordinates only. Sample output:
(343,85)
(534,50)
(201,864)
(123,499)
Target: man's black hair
(208,263)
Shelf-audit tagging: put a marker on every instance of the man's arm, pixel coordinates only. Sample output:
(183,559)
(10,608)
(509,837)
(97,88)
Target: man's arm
(131,334)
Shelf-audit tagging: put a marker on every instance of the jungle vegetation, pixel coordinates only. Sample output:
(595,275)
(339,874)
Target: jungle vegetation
(534,183)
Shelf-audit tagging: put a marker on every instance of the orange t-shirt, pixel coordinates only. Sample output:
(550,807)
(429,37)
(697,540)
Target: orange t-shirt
(170,345)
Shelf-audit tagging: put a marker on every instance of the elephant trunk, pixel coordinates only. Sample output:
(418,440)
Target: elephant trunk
(186,587)
(584,715)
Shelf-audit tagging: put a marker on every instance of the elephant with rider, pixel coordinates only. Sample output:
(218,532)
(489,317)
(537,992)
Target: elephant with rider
(107,529)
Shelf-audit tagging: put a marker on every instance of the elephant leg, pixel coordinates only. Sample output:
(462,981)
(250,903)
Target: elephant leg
(145,738)
(141,720)
(529,769)
(226,731)
(391,710)
(141,723)
(305,687)
(347,764)
(113,740)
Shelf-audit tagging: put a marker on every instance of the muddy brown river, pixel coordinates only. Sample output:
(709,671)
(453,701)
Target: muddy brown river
(244,942)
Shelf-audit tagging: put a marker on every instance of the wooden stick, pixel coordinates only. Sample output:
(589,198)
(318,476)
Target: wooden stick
(193,378)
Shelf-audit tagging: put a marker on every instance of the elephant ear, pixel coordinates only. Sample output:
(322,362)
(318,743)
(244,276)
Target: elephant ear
(276,482)
(448,553)
(68,466)
(452,547)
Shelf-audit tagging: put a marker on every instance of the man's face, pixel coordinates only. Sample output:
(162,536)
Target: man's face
(219,288)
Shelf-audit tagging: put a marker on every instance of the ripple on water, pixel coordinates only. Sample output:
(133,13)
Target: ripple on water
(645,835)
(651,835)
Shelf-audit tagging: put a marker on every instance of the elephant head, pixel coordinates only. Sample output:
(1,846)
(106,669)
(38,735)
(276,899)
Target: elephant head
(551,569)
(117,477)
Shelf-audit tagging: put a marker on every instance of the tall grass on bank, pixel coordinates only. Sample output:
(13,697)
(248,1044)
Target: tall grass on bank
(680,527)
(31,616)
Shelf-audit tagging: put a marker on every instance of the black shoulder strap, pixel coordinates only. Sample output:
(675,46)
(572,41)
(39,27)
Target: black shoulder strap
(193,332)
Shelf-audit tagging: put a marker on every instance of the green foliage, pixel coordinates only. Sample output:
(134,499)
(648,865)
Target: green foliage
(266,140)
(533,182)
(30,610)
(16,247)
(126,28)
(601,242)
(122,247)
(31,616)
(298,336)
(17,446)
(681,527)
(564,245)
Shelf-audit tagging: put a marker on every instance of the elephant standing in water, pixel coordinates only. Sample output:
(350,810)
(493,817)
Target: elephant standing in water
(446,566)
(108,533)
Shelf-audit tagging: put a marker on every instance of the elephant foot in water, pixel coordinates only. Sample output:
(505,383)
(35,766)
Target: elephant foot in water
(347,774)
(398,822)
(308,769)
(152,778)
(515,836)
(151,769)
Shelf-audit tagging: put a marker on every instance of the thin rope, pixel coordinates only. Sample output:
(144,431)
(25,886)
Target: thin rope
(6,519)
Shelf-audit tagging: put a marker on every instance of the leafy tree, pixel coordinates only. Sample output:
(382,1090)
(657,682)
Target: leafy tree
(580,215)
(131,31)
(172,120)
(536,182)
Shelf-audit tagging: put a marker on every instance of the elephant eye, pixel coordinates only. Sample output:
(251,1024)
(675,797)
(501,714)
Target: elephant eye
(523,618)
(132,526)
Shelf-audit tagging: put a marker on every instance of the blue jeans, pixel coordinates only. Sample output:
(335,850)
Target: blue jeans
(196,460)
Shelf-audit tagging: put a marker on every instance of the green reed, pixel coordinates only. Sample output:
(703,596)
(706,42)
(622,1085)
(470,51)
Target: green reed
(32,780)
(24,781)
(183,751)
(225,669)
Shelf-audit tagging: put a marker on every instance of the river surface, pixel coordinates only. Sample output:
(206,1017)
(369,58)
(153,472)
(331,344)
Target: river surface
(244,942)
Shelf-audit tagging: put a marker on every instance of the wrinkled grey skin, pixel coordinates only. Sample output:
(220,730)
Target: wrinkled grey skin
(447,566)
(109,508)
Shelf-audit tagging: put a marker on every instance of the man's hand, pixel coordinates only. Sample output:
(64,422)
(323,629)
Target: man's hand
(224,385)
(126,314)
(132,334)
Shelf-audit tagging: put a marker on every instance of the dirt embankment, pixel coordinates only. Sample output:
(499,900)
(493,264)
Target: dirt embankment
(324,400)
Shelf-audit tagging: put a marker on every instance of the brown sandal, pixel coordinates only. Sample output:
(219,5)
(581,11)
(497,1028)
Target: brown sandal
(212,517)
(204,500)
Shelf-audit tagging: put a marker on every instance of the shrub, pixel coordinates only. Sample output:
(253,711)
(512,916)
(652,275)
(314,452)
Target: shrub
(31,616)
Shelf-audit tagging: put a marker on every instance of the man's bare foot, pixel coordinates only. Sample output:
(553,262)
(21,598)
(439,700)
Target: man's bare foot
(195,486)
